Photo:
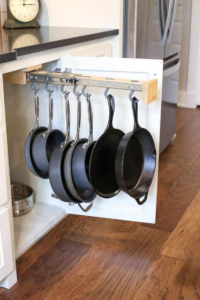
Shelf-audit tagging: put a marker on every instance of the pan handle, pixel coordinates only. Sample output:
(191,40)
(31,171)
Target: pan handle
(78,96)
(111,105)
(143,200)
(90,117)
(87,208)
(36,110)
(67,107)
(135,113)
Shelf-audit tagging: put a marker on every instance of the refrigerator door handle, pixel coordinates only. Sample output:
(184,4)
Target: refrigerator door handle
(160,20)
(172,68)
(167,22)
(172,22)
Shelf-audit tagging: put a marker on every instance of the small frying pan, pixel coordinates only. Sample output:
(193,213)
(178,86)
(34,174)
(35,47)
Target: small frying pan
(45,143)
(81,157)
(136,160)
(29,141)
(56,174)
(102,160)
(84,195)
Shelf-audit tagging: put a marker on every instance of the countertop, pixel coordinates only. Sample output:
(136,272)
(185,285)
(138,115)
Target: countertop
(20,42)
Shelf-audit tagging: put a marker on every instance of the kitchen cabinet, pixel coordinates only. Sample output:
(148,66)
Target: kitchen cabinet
(17,109)
(6,256)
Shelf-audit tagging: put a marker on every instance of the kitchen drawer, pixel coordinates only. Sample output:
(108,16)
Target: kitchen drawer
(6,256)
(99,51)
(3,186)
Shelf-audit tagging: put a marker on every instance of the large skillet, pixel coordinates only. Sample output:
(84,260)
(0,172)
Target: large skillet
(45,143)
(84,195)
(102,160)
(56,173)
(31,137)
(136,160)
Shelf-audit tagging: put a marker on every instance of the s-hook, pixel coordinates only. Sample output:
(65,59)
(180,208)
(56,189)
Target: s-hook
(48,90)
(35,89)
(86,95)
(130,95)
(106,93)
(63,91)
(77,94)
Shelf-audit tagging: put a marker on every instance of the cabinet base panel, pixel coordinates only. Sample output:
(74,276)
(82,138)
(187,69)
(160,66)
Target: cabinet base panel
(31,227)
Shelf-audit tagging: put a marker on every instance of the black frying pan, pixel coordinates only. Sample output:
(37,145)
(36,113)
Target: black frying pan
(81,157)
(56,173)
(45,143)
(31,137)
(136,160)
(83,195)
(102,160)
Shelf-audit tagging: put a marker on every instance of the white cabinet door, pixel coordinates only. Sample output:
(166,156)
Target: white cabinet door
(3,186)
(6,257)
(121,206)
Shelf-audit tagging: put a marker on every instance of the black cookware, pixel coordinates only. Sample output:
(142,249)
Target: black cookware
(81,157)
(46,142)
(56,173)
(84,195)
(102,160)
(31,137)
(136,160)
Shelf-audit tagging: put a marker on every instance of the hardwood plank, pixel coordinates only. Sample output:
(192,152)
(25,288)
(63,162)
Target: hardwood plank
(179,176)
(89,230)
(123,275)
(187,284)
(83,275)
(185,234)
(185,137)
(43,245)
(183,115)
(48,270)
(159,279)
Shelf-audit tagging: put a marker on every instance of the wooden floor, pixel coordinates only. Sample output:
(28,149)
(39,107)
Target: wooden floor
(90,258)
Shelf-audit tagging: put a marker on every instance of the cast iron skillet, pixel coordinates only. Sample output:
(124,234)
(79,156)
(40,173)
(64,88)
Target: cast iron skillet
(45,143)
(102,160)
(80,194)
(136,160)
(81,157)
(29,141)
(56,174)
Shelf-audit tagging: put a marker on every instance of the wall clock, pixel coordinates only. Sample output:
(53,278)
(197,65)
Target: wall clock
(22,14)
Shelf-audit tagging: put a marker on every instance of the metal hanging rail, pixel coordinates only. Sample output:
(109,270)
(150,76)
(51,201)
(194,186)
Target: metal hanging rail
(148,88)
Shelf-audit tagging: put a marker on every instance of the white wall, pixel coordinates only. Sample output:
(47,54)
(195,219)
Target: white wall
(79,13)
(189,88)
(185,45)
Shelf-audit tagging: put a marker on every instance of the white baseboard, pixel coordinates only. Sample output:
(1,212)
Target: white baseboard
(186,99)
(181,99)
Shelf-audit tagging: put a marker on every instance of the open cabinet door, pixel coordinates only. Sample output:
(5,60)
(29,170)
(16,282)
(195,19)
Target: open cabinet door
(122,206)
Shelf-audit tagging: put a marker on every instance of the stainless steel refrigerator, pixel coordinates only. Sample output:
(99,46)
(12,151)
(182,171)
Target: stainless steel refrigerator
(152,29)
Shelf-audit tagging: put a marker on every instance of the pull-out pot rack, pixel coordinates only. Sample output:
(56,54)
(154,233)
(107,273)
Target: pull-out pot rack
(148,88)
